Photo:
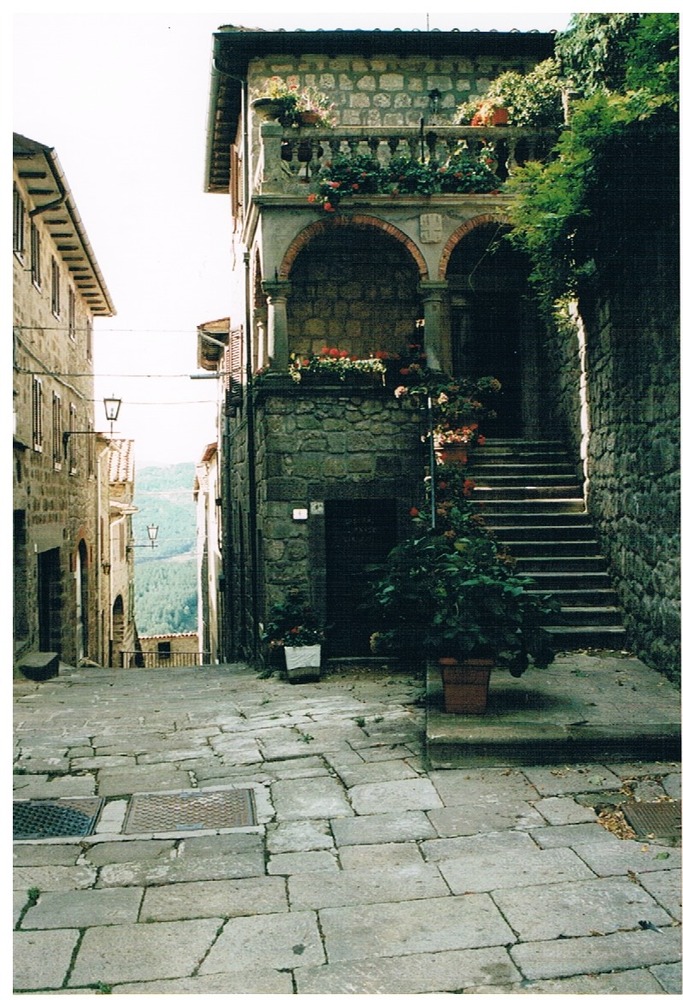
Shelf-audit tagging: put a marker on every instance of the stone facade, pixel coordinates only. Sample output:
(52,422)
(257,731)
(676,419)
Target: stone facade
(294,458)
(58,291)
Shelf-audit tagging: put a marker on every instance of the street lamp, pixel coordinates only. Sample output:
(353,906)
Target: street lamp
(112,405)
(152,532)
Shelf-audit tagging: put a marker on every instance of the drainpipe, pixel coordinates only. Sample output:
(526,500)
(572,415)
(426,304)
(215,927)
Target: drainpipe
(251,457)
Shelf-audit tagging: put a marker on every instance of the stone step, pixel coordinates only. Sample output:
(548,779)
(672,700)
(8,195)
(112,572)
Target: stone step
(554,533)
(533,565)
(571,581)
(530,492)
(553,548)
(584,616)
(587,637)
(551,519)
(529,505)
(597,598)
(500,480)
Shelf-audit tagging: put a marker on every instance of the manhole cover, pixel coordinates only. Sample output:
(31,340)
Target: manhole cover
(655,819)
(159,811)
(39,819)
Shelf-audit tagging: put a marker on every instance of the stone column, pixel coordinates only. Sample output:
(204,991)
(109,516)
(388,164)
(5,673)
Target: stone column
(437,340)
(277,293)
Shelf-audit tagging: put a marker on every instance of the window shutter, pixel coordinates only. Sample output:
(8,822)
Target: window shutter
(233,362)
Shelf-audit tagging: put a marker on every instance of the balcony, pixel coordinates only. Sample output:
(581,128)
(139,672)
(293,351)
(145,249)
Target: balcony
(287,161)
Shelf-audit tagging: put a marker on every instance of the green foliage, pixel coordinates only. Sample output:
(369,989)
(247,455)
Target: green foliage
(465,171)
(166,596)
(166,576)
(615,166)
(293,622)
(532,99)
(452,591)
(592,52)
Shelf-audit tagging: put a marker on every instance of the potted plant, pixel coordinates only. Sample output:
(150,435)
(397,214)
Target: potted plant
(332,365)
(276,100)
(294,627)
(449,593)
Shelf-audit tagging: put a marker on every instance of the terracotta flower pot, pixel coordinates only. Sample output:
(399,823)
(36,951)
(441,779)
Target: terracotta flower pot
(452,454)
(465,685)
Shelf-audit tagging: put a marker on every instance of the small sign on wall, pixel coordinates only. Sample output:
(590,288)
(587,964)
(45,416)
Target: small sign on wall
(300,514)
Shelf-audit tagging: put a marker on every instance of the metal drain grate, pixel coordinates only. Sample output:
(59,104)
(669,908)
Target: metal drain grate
(156,812)
(656,819)
(40,819)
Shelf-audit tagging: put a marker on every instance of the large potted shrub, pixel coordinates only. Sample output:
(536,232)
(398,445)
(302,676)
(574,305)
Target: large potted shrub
(449,593)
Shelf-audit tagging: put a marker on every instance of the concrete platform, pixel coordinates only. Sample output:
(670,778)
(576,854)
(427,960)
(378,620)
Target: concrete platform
(595,705)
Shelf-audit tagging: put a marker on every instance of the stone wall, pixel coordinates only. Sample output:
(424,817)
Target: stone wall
(388,89)
(315,445)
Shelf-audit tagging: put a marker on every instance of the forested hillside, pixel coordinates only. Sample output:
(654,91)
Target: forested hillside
(165,576)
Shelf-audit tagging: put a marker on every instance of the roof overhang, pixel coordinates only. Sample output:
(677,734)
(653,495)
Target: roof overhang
(212,338)
(234,48)
(39,168)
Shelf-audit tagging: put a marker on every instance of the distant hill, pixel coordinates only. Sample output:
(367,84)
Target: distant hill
(165,576)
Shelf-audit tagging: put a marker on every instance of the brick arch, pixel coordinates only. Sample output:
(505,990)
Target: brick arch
(460,233)
(356,221)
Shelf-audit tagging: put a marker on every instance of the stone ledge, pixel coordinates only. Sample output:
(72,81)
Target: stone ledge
(39,666)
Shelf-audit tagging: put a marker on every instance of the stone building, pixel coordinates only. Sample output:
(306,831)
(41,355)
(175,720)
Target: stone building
(118,568)
(318,479)
(58,293)
(210,580)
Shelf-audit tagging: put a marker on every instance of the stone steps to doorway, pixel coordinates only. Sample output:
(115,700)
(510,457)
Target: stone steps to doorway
(529,496)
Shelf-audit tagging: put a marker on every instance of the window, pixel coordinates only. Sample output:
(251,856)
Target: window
(18,224)
(57,429)
(35,255)
(88,339)
(71,313)
(72,443)
(37,414)
(54,287)
(90,451)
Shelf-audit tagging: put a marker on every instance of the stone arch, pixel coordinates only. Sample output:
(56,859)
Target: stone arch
(358,221)
(461,232)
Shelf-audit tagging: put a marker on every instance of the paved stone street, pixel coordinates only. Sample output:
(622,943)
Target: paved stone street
(362,872)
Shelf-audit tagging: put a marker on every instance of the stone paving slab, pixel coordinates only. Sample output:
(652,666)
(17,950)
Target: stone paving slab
(347,888)
(393,827)
(42,958)
(641,982)
(263,982)
(441,972)
(193,869)
(84,909)
(580,909)
(391,796)
(619,857)
(474,817)
(482,873)
(665,887)
(574,956)
(380,930)
(310,798)
(218,898)
(55,878)
(142,951)
(280,941)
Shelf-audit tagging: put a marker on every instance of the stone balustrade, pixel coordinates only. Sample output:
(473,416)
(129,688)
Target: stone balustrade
(288,160)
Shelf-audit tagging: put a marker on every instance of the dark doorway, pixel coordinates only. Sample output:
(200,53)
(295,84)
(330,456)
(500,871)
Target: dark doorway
(49,602)
(358,535)
(489,279)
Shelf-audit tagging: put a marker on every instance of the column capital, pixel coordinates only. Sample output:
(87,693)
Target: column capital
(277,290)
(432,289)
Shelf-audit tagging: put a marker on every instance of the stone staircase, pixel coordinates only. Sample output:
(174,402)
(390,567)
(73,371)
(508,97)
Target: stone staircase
(530,497)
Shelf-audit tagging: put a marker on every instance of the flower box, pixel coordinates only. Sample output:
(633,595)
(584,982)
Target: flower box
(303,662)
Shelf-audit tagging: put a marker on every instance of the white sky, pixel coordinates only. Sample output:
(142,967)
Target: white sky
(123,100)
